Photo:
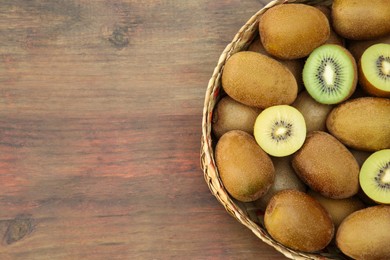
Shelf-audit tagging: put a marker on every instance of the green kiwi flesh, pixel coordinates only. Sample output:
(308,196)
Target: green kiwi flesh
(356,48)
(374,70)
(375,176)
(337,82)
(280,130)
(330,74)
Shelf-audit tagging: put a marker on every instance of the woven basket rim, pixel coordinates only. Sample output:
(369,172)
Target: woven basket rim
(208,165)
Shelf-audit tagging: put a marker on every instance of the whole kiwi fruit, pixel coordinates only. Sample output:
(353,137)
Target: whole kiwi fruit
(327,166)
(257,80)
(361,20)
(292,31)
(361,123)
(298,221)
(245,169)
(232,115)
(365,234)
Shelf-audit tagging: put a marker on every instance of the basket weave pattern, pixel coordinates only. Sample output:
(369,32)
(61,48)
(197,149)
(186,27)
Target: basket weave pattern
(237,209)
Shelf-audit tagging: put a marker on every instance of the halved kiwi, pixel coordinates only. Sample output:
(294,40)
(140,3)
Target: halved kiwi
(374,70)
(375,176)
(330,74)
(357,48)
(280,130)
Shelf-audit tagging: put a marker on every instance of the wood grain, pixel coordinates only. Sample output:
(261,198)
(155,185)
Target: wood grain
(100,125)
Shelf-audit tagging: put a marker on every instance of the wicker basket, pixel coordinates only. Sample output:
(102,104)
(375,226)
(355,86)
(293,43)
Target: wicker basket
(245,213)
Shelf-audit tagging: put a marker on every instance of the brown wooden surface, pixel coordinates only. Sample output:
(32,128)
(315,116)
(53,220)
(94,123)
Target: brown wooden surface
(100,125)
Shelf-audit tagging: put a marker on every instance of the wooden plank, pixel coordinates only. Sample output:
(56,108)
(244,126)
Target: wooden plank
(100,116)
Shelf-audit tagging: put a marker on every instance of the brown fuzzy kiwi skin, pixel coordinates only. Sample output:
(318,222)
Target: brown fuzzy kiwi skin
(361,20)
(315,113)
(257,80)
(245,169)
(280,26)
(295,66)
(285,178)
(365,234)
(368,87)
(327,166)
(334,38)
(232,115)
(298,221)
(257,46)
(361,123)
(355,69)
(358,47)
(360,156)
(338,209)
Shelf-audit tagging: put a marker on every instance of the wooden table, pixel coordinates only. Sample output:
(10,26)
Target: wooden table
(100,124)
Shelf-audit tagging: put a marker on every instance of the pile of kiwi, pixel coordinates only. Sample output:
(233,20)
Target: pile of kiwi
(303,126)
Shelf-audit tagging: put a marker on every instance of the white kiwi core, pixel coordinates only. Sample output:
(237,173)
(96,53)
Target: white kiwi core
(386,67)
(375,66)
(386,176)
(329,75)
(280,130)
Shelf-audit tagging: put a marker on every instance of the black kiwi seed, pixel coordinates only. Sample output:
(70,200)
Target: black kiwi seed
(330,74)
(333,88)
(374,71)
(380,175)
(379,66)
(374,177)
(280,130)
(281,124)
